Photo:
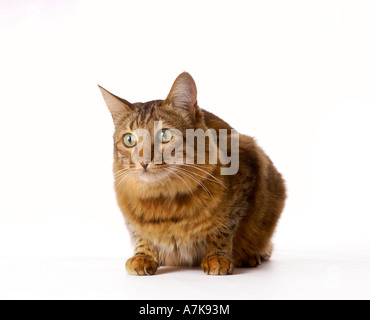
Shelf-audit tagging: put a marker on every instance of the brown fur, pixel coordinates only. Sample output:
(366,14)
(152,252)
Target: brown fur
(171,225)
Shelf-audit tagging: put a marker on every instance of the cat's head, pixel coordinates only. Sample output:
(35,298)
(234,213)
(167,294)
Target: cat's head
(166,122)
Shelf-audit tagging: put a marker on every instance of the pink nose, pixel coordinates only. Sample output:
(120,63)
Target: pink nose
(144,165)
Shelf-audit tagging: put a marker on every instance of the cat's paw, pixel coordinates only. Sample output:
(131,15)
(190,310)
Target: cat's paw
(252,261)
(217,265)
(141,266)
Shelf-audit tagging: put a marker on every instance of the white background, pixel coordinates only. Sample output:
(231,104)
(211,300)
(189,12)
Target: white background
(293,74)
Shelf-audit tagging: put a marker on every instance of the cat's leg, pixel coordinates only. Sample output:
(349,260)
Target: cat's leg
(145,259)
(249,259)
(254,260)
(218,258)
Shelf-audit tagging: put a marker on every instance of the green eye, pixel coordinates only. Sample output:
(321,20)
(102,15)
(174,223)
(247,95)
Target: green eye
(165,135)
(129,140)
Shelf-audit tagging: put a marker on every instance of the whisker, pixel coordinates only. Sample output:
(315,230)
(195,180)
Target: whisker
(120,173)
(196,180)
(122,178)
(211,175)
(191,191)
(205,178)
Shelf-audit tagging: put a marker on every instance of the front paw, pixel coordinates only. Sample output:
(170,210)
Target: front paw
(217,265)
(141,266)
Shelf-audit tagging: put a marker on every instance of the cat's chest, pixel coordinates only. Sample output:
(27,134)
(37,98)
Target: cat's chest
(172,223)
(169,210)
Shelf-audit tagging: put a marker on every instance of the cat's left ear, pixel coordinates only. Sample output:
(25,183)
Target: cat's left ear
(183,95)
(116,105)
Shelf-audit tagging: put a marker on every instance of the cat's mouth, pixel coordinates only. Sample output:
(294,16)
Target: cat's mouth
(151,175)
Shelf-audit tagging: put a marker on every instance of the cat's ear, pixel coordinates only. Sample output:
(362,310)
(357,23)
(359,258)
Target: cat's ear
(183,94)
(116,105)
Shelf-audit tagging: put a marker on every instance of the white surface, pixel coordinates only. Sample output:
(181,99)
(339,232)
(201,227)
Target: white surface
(293,74)
(289,275)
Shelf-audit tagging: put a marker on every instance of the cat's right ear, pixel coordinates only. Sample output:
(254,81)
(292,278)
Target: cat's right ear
(116,105)
(183,95)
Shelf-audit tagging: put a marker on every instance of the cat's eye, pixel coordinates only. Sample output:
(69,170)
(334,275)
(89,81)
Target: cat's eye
(165,135)
(129,140)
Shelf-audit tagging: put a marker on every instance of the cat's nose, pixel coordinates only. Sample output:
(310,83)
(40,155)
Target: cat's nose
(144,164)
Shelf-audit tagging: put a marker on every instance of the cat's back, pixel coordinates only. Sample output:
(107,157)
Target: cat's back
(214,122)
(254,163)
(247,144)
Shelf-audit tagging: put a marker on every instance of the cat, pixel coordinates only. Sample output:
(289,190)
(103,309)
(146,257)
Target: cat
(191,214)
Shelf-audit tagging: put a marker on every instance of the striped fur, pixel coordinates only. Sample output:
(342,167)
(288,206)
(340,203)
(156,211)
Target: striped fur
(172,219)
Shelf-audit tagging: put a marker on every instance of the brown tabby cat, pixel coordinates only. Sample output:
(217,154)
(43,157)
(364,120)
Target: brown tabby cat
(190,214)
